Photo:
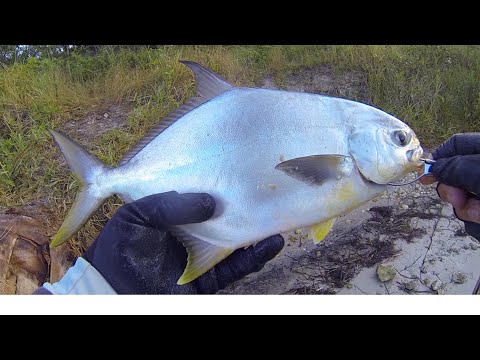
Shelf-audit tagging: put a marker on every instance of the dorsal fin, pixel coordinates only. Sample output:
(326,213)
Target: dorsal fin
(209,85)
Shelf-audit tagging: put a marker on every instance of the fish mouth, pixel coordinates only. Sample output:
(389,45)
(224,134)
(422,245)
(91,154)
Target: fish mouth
(414,156)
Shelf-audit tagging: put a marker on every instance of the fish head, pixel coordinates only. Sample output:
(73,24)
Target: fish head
(385,150)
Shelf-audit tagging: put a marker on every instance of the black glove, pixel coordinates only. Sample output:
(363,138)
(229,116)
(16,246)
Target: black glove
(136,254)
(458,164)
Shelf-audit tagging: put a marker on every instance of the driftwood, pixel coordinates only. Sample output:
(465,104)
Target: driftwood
(26,261)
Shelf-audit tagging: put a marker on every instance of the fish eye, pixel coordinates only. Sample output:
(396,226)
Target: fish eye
(401,138)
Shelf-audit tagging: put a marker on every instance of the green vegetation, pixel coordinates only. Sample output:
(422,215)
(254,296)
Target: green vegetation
(435,89)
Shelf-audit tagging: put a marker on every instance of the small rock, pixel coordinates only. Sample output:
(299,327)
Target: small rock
(466,247)
(437,284)
(441,291)
(105,115)
(423,270)
(453,250)
(426,281)
(474,246)
(298,231)
(410,285)
(404,206)
(438,206)
(459,278)
(349,286)
(460,232)
(385,272)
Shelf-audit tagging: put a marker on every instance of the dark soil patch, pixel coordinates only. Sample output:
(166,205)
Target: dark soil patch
(393,226)
(340,260)
(324,80)
(337,264)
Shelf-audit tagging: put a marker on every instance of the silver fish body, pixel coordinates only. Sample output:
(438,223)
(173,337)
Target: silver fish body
(231,145)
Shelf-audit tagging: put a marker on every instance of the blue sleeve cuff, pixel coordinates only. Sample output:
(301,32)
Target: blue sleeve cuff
(81,279)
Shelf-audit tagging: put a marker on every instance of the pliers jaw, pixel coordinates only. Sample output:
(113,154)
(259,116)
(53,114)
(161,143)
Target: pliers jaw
(428,165)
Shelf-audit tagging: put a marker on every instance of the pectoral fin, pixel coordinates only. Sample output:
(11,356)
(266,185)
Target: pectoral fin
(318,232)
(316,169)
(202,256)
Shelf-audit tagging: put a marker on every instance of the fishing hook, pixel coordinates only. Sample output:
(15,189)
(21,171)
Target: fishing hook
(428,164)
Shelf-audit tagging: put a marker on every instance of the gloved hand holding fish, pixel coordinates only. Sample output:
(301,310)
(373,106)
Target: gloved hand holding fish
(136,254)
(272,160)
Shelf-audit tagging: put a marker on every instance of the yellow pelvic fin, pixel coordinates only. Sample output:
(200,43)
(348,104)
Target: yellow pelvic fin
(318,232)
(202,256)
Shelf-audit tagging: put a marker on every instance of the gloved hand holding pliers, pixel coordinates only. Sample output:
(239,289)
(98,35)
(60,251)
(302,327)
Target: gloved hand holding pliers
(456,167)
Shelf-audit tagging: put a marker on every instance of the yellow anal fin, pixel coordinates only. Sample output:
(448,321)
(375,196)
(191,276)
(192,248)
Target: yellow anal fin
(318,232)
(202,256)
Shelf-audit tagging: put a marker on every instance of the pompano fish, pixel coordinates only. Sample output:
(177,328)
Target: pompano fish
(273,160)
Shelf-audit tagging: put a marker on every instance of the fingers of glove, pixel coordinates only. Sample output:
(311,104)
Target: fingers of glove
(170,208)
(459,144)
(459,171)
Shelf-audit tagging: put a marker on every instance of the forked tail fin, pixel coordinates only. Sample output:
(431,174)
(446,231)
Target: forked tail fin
(90,196)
